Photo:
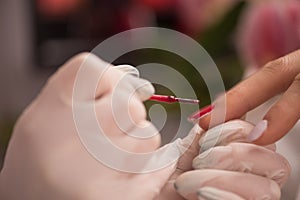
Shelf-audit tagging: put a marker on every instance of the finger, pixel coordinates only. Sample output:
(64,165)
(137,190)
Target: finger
(281,117)
(216,194)
(87,77)
(241,184)
(96,78)
(128,111)
(189,148)
(128,69)
(272,79)
(123,120)
(120,112)
(144,88)
(89,71)
(245,157)
(224,134)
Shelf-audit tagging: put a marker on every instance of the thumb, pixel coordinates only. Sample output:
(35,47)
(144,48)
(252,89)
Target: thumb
(189,148)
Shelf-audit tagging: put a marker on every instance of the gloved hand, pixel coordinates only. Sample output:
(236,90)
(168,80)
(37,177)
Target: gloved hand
(47,160)
(233,170)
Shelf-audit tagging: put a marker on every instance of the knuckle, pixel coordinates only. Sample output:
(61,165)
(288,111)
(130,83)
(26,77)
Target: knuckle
(81,56)
(67,72)
(275,66)
(276,63)
(297,79)
(281,66)
(26,124)
(86,59)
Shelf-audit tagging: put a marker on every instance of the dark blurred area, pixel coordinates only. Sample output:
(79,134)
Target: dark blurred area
(64,28)
(38,36)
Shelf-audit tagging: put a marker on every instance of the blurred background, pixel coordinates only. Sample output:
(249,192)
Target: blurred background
(37,36)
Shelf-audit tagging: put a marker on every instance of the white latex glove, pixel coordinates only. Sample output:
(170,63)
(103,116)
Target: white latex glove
(46,159)
(233,170)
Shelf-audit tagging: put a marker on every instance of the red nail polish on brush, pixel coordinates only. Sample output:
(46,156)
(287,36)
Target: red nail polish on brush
(202,112)
(172,99)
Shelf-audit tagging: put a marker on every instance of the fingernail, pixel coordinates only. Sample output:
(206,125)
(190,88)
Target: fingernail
(195,117)
(201,113)
(258,130)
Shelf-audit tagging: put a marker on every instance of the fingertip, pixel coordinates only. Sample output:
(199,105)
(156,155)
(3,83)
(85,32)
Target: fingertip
(146,91)
(128,69)
(143,88)
(204,121)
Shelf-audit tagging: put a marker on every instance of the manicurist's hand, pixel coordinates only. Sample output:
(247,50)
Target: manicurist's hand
(229,168)
(56,151)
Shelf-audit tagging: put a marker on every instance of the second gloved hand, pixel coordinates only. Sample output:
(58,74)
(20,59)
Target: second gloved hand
(55,147)
(228,168)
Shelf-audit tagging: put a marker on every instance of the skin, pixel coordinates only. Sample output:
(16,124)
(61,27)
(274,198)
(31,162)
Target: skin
(276,77)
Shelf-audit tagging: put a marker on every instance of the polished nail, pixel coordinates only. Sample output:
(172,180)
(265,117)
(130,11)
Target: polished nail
(258,130)
(201,113)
